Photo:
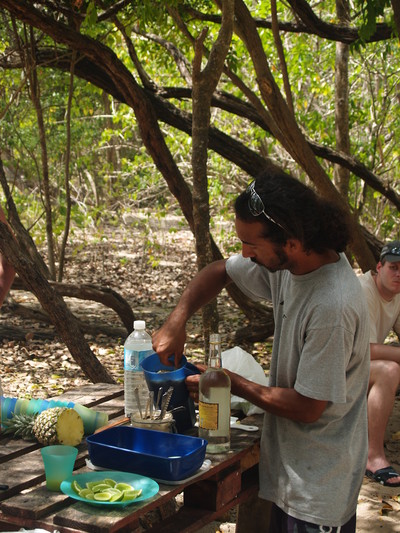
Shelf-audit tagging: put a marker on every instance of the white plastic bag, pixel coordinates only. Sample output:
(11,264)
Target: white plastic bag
(241,362)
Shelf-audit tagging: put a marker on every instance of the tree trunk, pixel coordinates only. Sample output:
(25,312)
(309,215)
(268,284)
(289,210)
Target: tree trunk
(65,322)
(67,157)
(204,84)
(103,295)
(34,91)
(341,176)
(25,240)
(292,137)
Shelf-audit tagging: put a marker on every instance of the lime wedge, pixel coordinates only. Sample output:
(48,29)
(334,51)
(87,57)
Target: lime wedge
(116,497)
(100,487)
(102,496)
(123,487)
(109,482)
(112,490)
(131,494)
(86,493)
(76,487)
(91,484)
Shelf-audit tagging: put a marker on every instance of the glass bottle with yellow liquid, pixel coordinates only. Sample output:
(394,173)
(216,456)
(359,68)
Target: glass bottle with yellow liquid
(215,401)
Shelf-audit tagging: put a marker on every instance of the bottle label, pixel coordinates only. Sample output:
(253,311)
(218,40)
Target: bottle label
(208,415)
(133,358)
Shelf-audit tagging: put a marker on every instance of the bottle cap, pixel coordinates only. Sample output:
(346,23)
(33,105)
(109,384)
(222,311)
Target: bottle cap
(215,337)
(139,324)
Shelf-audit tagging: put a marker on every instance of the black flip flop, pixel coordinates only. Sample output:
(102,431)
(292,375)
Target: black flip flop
(382,475)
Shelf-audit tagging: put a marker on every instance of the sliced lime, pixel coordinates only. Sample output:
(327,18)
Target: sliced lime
(87,493)
(91,484)
(102,496)
(112,490)
(100,487)
(123,486)
(131,494)
(109,482)
(116,497)
(76,487)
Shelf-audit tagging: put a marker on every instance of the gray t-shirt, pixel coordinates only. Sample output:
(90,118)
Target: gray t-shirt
(321,349)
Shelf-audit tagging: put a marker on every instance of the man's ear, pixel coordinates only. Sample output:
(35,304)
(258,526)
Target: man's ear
(379,266)
(292,246)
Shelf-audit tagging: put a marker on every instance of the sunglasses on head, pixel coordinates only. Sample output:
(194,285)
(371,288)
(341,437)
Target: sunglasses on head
(391,251)
(256,205)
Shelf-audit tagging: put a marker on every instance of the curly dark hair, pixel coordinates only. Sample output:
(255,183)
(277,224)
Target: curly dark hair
(291,209)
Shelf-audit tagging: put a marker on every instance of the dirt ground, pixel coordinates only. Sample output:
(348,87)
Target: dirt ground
(150,277)
(379,507)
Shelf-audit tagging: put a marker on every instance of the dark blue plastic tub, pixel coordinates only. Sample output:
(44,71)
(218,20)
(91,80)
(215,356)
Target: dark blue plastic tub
(155,454)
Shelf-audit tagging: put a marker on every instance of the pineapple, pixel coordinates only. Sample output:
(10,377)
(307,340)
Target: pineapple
(57,425)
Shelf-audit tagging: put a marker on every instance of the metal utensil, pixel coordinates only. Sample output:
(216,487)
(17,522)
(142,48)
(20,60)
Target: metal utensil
(146,411)
(151,398)
(138,402)
(177,409)
(165,402)
(235,424)
(159,393)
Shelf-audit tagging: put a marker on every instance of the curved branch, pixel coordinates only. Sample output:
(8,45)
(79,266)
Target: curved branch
(232,149)
(311,24)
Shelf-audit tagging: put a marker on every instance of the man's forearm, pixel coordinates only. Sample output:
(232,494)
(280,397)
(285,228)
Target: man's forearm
(206,285)
(279,401)
(385,352)
(203,288)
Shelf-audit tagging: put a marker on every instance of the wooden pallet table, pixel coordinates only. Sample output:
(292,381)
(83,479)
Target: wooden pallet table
(231,480)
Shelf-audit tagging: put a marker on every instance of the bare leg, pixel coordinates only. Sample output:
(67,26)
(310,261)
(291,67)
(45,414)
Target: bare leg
(383,384)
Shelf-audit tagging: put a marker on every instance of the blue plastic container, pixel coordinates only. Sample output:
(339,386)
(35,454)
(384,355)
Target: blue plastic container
(161,456)
(158,375)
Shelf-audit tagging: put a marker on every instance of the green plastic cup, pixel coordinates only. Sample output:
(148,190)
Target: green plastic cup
(59,461)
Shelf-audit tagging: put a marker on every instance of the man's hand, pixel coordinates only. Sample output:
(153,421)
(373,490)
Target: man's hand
(169,340)
(192,383)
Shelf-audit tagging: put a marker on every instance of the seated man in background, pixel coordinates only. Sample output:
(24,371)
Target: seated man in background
(382,290)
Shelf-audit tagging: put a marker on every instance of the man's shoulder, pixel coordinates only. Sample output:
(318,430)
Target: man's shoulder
(366,279)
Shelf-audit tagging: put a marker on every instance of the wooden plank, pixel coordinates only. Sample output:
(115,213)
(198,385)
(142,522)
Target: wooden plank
(23,473)
(233,477)
(92,394)
(189,519)
(101,397)
(215,492)
(11,448)
(253,516)
(251,458)
(95,519)
(34,504)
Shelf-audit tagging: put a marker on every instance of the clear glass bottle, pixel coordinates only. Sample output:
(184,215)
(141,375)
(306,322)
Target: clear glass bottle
(137,347)
(215,401)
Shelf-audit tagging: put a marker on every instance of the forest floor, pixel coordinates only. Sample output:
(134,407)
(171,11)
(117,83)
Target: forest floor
(148,262)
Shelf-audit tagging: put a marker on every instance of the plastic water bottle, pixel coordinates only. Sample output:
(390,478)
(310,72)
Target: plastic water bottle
(137,347)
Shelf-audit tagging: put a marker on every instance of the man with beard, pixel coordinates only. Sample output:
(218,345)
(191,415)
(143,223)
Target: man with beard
(314,438)
(382,290)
